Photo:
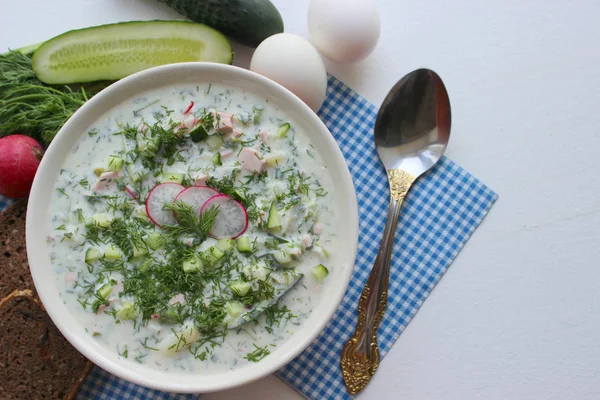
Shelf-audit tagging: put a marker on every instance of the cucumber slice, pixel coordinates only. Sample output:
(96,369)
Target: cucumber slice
(113,253)
(235,308)
(213,255)
(111,52)
(115,163)
(154,241)
(172,177)
(243,244)
(274,222)
(101,220)
(282,257)
(215,142)
(145,266)
(168,316)
(104,291)
(283,130)
(320,272)
(192,265)
(127,311)
(225,244)
(138,253)
(240,288)
(217,159)
(92,255)
(198,134)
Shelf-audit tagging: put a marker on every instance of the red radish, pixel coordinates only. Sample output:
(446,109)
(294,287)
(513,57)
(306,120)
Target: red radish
(132,194)
(157,198)
(187,110)
(20,157)
(196,196)
(232,219)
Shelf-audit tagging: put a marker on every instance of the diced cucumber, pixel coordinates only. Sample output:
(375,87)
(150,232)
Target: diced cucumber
(145,266)
(320,272)
(213,254)
(217,159)
(136,174)
(101,220)
(325,252)
(187,335)
(113,253)
(282,257)
(234,308)
(114,51)
(168,316)
(273,160)
(140,212)
(92,255)
(127,311)
(243,244)
(193,264)
(105,291)
(240,288)
(115,163)
(138,252)
(172,177)
(225,244)
(214,142)
(99,171)
(155,241)
(283,130)
(198,134)
(274,222)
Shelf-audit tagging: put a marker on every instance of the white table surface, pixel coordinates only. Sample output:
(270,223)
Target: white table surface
(517,316)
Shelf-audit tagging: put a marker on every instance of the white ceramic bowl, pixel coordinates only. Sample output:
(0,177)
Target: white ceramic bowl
(38,224)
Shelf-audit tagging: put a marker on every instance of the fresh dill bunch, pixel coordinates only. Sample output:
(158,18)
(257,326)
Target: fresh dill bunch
(29,106)
(124,236)
(189,221)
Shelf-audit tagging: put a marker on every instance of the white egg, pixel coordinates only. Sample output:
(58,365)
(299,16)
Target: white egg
(344,30)
(295,64)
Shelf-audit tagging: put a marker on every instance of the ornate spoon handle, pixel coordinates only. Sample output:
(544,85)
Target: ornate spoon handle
(360,355)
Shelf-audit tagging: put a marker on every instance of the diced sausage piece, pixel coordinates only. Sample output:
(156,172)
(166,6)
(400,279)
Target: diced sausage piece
(251,160)
(201,180)
(264,136)
(177,299)
(71,276)
(106,179)
(235,133)
(223,122)
(226,153)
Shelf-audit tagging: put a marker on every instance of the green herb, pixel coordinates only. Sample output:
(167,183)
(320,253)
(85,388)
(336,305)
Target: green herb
(258,354)
(30,107)
(62,191)
(189,222)
(84,183)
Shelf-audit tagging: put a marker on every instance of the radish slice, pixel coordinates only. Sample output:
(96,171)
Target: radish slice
(131,193)
(232,219)
(158,197)
(196,196)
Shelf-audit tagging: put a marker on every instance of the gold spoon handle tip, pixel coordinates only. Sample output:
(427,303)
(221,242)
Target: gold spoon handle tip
(360,355)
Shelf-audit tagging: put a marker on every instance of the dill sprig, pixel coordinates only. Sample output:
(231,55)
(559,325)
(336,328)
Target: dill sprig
(29,106)
(189,221)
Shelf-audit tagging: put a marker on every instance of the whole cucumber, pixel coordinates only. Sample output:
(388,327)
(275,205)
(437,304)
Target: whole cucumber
(249,22)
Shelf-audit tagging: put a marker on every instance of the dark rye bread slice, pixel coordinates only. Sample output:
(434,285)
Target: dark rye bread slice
(14,268)
(36,361)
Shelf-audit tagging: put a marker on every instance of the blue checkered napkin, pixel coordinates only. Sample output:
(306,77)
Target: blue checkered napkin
(439,214)
(5,203)
(99,384)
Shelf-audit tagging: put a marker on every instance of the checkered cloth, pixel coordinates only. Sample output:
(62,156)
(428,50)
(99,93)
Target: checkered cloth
(439,214)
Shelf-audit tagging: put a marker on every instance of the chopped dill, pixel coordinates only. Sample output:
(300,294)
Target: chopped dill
(258,354)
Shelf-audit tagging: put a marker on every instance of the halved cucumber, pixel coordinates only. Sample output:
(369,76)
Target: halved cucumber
(114,51)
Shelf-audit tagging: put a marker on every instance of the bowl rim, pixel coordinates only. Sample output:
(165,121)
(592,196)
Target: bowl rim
(127,87)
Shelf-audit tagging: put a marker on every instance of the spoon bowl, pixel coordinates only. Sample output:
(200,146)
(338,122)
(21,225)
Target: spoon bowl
(413,124)
(411,134)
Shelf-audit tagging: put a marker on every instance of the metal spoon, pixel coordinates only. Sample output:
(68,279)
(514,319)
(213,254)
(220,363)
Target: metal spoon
(411,133)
